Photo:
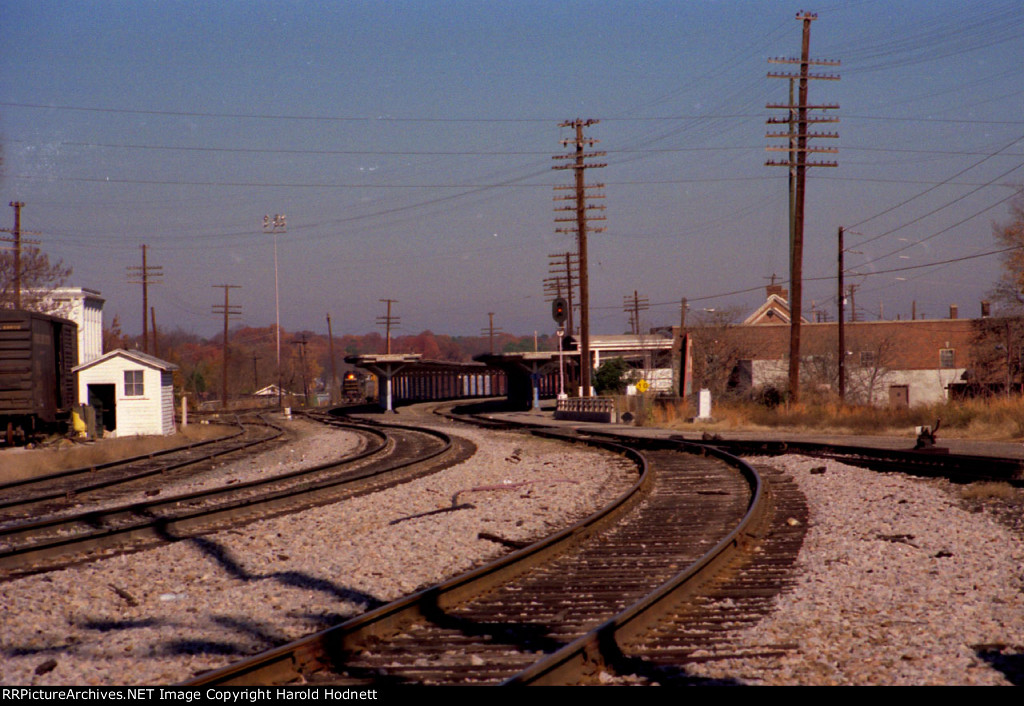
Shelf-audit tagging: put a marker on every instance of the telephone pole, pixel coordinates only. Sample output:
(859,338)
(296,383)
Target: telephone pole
(490,330)
(228,310)
(581,228)
(145,273)
(633,305)
(842,324)
(388,321)
(18,242)
(798,134)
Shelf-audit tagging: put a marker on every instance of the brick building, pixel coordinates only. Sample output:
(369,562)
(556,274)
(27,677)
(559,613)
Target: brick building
(887,362)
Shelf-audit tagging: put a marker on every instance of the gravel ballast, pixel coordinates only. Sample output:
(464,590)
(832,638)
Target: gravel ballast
(898,581)
(897,584)
(167,614)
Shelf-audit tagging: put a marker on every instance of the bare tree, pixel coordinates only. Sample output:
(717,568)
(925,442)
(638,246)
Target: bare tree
(717,349)
(1009,289)
(996,354)
(870,370)
(38,277)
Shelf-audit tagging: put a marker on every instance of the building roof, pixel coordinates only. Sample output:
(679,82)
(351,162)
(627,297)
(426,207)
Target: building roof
(137,356)
(774,310)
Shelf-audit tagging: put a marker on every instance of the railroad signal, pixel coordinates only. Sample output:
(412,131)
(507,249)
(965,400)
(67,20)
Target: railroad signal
(559,310)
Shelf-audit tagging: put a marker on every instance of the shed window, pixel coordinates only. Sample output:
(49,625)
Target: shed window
(133,383)
(946,358)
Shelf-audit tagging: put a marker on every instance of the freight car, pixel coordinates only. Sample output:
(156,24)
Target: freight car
(37,385)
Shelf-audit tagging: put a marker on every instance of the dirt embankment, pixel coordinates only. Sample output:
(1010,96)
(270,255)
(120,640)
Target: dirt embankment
(18,463)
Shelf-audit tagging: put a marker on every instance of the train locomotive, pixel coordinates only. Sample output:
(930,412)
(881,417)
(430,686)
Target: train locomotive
(358,387)
(38,353)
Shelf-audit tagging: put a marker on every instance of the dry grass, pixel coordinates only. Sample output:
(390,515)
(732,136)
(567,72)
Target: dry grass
(996,418)
(19,463)
(987,491)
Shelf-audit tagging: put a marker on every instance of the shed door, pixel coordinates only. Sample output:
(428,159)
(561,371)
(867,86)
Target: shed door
(101,398)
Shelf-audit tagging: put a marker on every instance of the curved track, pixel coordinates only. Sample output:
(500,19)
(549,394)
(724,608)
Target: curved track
(542,614)
(394,456)
(55,492)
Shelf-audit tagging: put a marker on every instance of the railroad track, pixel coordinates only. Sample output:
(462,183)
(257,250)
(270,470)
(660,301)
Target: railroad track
(551,612)
(928,462)
(47,495)
(392,457)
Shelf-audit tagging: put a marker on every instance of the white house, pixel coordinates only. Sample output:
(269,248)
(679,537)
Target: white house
(131,391)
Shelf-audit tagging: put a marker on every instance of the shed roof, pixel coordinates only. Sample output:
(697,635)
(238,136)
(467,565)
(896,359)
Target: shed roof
(137,356)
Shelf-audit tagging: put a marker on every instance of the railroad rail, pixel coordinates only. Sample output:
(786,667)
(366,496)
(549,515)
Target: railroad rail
(549,612)
(929,462)
(47,494)
(394,456)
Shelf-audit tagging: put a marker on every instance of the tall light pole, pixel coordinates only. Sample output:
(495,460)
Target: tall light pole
(275,225)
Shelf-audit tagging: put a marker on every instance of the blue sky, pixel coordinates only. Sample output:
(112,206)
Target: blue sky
(410,145)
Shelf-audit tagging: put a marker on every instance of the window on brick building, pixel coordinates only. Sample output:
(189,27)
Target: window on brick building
(947,359)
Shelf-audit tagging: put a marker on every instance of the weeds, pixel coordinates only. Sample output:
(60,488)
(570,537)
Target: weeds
(988,491)
(992,418)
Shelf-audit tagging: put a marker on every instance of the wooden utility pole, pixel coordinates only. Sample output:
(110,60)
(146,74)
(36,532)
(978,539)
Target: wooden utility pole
(146,273)
(797,135)
(152,321)
(388,321)
(633,305)
(581,227)
(333,393)
(228,310)
(842,325)
(17,239)
(490,331)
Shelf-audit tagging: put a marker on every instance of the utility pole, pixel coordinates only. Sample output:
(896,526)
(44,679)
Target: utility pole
(581,227)
(680,363)
(490,331)
(302,361)
(334,373)
(17,234)
(145,273)
(228,310)
(842,325)
(633,306)
(797,134)
(152,321)
(388,321)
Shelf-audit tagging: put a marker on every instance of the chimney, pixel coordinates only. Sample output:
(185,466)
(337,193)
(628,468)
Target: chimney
(953,311)
(778,290)
(986,309)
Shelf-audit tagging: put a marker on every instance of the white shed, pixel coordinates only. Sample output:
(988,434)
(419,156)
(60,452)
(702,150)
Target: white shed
(131,391)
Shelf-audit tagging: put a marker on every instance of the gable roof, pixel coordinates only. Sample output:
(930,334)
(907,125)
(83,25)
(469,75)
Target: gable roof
(136,356)
(774,310)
